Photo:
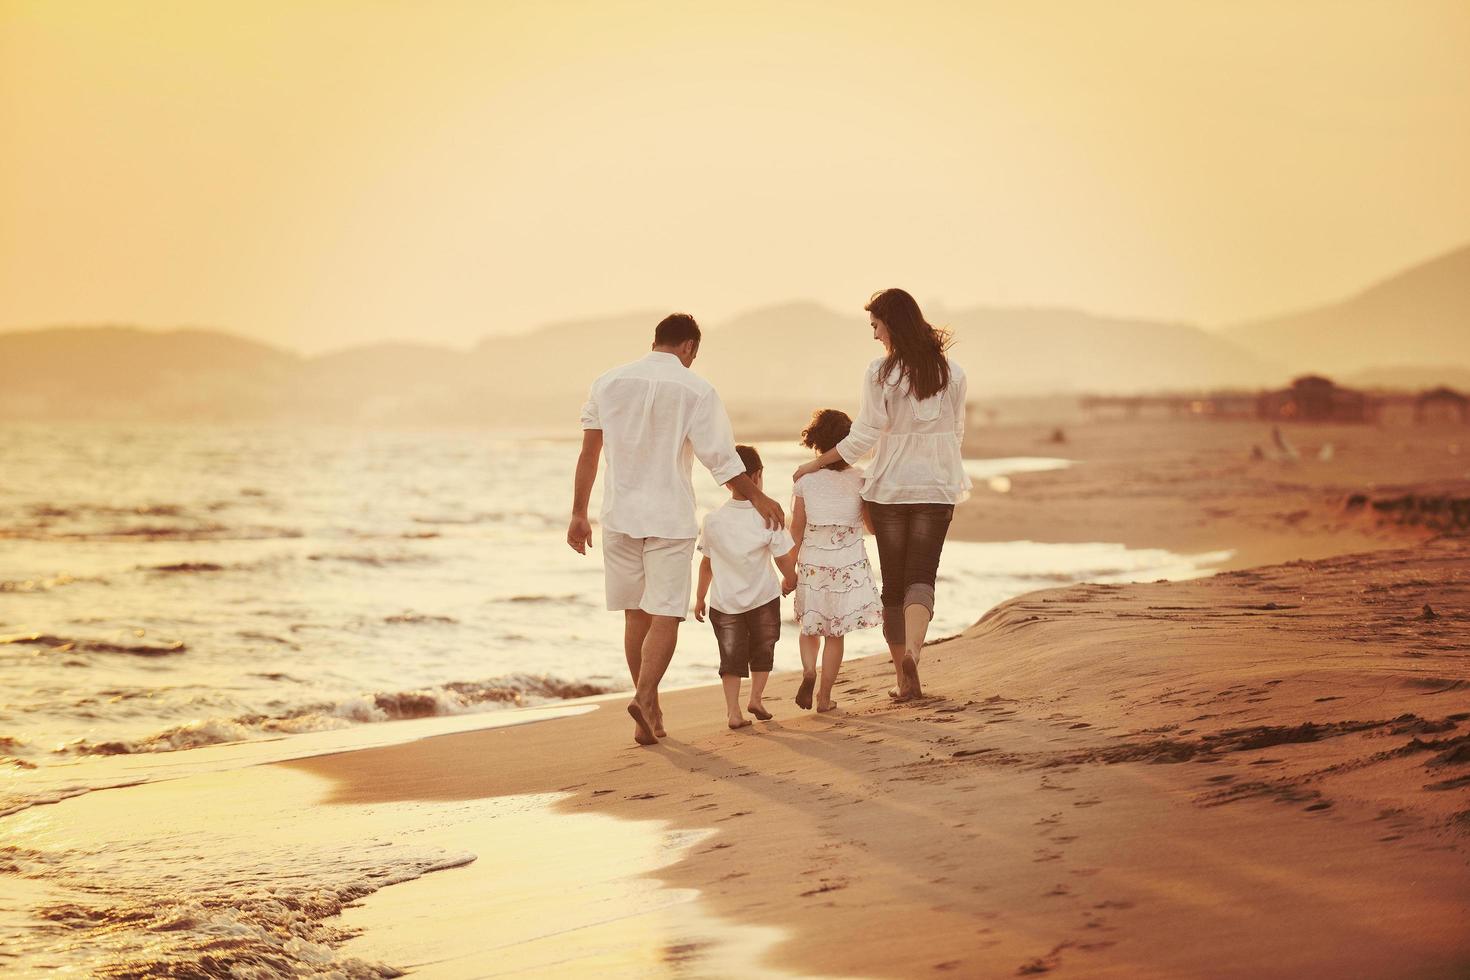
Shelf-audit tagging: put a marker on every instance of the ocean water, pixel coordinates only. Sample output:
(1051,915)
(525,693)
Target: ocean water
(165,588)
(195,601)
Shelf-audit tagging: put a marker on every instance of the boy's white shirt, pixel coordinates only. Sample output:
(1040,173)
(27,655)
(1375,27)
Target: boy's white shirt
(740,549)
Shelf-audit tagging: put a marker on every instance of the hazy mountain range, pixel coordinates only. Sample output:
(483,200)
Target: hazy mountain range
(1411,330)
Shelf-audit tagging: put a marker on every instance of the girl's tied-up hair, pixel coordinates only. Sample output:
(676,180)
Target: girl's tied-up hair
(918,346)
(828,427)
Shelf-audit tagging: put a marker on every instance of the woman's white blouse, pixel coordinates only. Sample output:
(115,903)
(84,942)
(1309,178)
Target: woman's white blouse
(916,443)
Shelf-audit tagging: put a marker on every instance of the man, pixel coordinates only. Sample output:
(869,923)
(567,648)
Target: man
(650,419)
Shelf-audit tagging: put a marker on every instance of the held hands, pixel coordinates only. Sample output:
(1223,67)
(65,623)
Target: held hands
(699,608)
(788,583)
(579,534)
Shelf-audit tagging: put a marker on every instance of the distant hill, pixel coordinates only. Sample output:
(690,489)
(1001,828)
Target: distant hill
(1412,378)
(1420,316)
(800,355)
(796,355)
(806,351)
(129,373)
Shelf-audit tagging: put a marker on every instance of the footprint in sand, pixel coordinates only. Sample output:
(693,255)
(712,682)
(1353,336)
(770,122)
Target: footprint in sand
(823,888)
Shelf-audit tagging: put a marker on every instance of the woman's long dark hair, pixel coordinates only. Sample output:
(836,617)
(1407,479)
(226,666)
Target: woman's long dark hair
(918,347)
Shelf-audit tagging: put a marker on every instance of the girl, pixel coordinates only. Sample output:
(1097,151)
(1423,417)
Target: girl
(834,586)
(913,415)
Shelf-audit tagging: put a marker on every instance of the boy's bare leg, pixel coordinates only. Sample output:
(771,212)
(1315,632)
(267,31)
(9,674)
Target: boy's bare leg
(809,647)
(758,680)
(831,664)
(658,650)
(635,631)
(731,684)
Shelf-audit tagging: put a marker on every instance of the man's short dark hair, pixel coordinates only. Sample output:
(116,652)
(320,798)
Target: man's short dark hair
(675,329)
(751,459)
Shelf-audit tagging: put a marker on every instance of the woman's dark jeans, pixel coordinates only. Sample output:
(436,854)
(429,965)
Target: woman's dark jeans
(910,538)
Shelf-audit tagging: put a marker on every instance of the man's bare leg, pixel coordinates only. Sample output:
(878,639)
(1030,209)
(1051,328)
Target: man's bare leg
(658,651)
(635,631)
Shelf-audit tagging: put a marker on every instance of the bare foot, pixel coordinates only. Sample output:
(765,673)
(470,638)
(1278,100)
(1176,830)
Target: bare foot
(804,693)
(826,706)
(658,725)
(894,693)
(759,711)
(741,723)
(911,674)
(643,734)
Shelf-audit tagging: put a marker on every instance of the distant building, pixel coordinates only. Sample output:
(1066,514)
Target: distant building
(1313,398)
(1441,405)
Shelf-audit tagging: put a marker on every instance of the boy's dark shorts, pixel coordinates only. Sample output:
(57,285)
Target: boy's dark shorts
(747,640)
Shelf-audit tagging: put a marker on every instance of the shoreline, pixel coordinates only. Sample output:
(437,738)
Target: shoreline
(1284,793)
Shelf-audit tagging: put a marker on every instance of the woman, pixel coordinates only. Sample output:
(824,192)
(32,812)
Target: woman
(913,414)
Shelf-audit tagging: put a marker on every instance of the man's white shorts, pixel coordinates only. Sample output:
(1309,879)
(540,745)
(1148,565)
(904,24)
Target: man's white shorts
(652,574)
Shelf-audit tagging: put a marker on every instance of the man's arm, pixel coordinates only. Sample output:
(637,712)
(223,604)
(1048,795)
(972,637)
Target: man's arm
(579,531)
(769,510)
(706,576)
(714,444)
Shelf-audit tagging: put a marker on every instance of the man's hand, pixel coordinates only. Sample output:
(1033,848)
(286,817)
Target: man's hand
(771,511)
(788,583)
(699,608)
(579,534)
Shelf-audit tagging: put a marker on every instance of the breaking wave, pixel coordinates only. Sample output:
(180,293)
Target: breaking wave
(458,697)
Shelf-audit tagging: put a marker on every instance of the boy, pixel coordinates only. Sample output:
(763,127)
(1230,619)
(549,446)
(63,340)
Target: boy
(745,607)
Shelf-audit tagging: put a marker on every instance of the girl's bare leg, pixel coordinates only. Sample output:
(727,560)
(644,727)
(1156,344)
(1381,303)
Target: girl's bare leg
(831,664)
(809,646)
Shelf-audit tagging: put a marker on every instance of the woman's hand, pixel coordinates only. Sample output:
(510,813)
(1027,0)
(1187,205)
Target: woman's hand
(699,609)
(805,469)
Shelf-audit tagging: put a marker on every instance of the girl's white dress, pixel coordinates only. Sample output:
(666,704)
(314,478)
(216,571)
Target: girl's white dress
(835,593)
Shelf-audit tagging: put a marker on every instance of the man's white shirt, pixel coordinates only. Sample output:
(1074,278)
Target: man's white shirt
(656,415)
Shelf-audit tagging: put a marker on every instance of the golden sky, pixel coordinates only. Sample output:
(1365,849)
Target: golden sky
(318,173)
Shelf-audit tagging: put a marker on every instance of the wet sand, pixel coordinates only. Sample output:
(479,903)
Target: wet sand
(1194,486)
(1264,773)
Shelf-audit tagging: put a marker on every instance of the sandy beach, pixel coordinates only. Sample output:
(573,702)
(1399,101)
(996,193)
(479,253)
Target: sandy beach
(1259,774)
(1262,773)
